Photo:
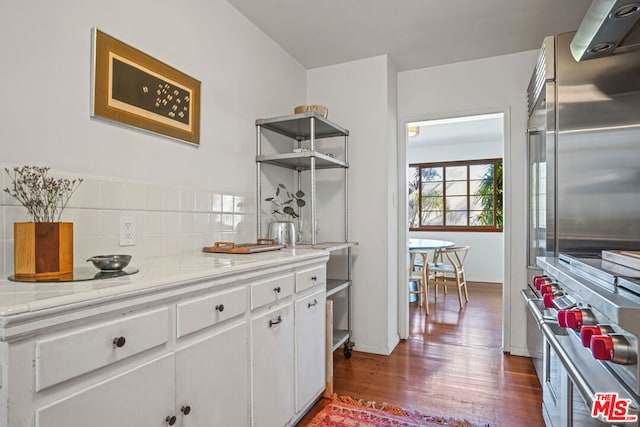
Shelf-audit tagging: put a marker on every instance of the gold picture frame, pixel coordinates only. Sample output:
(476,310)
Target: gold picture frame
(138,90)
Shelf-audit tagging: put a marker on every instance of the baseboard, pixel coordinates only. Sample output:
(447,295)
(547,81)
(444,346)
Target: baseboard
(520,351)
(385,351)
(487,286)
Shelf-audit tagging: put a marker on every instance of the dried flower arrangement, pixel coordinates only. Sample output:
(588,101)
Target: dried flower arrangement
(43,196)
(283,208)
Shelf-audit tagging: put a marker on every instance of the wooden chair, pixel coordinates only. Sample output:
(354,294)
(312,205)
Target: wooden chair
(448,270)
(419,273)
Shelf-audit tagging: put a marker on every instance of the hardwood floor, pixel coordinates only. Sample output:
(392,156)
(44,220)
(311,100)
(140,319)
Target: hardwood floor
(451,365)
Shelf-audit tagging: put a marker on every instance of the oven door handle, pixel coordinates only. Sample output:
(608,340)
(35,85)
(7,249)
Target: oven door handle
(577,379)
(533,302)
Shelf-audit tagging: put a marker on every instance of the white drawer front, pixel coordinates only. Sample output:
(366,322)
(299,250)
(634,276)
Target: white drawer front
(271,290)
(309,278)
(66,356)
(140,397)
(202,312)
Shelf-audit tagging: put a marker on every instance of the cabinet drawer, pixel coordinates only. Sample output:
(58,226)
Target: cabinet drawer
(66,356)
(308,278)
(271,290)
(205,311)
(139,397)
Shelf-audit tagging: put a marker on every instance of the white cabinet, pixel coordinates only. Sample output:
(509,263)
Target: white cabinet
(189,355)
(288,347)
(310,352)
(140,397)
(272,372)
(212,381)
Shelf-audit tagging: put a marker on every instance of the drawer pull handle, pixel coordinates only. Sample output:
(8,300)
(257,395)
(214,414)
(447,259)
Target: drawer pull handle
(277,290)
(171,420)
(119,342)
(311,304)
(185,409)
(275,322)
(220,308)
(314,278)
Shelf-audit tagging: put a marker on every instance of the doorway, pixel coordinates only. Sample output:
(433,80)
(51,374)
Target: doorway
(458,144)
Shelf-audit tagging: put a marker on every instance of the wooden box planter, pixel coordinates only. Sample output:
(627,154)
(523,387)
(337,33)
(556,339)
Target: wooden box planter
(43,248)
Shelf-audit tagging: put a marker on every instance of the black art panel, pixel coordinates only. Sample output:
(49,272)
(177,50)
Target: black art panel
(140,89)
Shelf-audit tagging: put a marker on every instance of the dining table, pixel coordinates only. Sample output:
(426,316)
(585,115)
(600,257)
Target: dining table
(429,244)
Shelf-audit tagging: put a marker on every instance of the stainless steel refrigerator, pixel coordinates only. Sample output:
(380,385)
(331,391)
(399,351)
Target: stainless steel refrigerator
(583,152)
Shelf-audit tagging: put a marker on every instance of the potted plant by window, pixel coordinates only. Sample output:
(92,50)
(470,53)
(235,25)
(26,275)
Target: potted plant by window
(283,208)
(44,246)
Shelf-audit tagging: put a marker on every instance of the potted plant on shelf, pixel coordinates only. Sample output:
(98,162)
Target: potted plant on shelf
(283,207)
(44,246)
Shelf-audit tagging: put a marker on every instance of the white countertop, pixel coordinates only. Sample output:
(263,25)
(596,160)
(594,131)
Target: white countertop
(24,297)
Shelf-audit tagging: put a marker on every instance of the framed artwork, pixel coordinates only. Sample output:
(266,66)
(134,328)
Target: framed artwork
(138,90)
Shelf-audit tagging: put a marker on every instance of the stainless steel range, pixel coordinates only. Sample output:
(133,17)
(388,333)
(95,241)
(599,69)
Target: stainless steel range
(588,314)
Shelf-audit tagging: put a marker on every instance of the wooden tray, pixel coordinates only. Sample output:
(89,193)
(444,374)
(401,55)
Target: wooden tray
(262,245)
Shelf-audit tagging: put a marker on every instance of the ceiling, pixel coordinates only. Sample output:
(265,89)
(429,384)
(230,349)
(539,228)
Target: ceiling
(414,33)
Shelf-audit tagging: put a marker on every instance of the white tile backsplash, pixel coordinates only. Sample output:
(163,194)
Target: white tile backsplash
(227,203)
(86,222)
(110,223)
(153,198)
(238,204)
(187,222)
(171,244)
(227,222)
(84,248)
(87,195)
(201,223)
(111,195)
(216,202)
(153,224)
(133,196)
(187,200)
(8,256)
(172,199)
(202,201)
(170,220)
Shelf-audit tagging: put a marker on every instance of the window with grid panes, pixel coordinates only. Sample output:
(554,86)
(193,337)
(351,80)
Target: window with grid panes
(456,196)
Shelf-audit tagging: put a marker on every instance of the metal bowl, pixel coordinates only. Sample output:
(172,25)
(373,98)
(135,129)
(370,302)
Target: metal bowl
(110,262)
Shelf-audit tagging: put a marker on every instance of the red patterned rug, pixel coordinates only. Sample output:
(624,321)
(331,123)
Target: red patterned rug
(347,412)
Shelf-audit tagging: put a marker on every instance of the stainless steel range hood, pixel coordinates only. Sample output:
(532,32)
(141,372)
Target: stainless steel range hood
(609,27)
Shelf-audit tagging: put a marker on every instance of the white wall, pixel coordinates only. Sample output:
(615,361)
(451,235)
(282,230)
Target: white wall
(244,75)
(361,97)
(485,260)
(46,92)
(498,84)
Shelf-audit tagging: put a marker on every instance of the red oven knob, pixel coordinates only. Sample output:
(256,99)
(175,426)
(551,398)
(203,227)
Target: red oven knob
(577,318)
(562,318)
(587,331)
(548,288)
(601,347)
(539,280)
(547,299)
(613,347)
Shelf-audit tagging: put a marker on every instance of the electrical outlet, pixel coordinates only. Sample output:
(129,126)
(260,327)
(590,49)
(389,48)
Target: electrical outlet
(127,231)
